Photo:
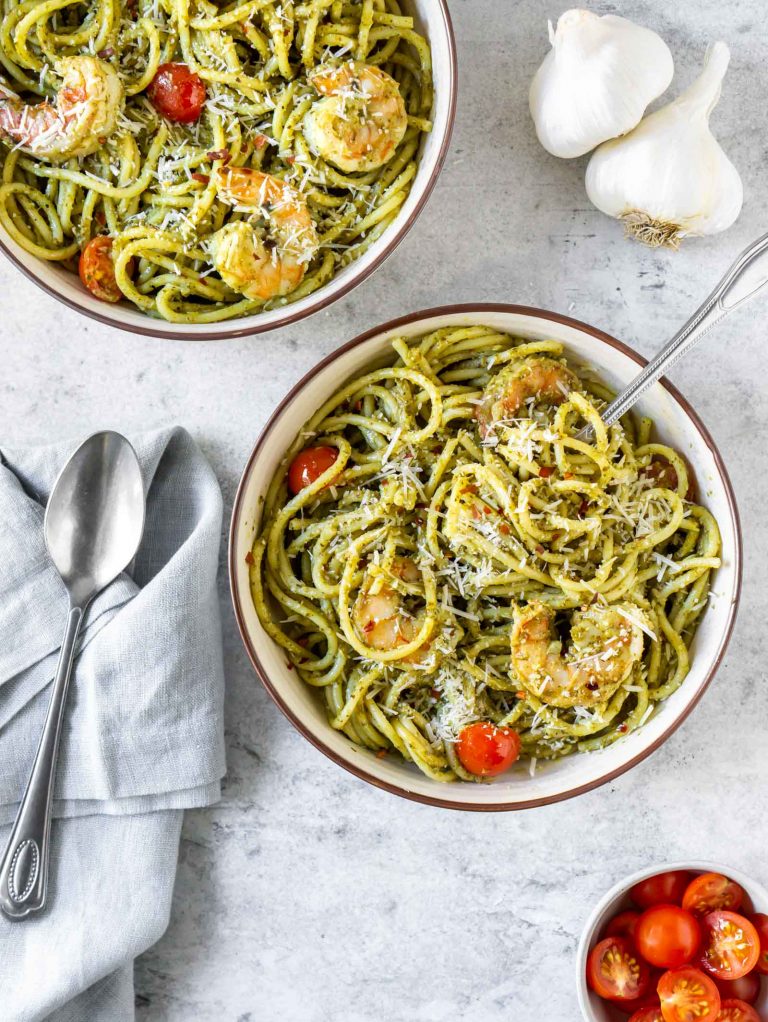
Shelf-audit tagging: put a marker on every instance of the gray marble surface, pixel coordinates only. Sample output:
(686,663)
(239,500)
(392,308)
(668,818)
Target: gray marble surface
(307,896)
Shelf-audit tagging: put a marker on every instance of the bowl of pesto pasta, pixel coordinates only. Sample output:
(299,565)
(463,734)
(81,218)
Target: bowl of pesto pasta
(194,170)
(457,597)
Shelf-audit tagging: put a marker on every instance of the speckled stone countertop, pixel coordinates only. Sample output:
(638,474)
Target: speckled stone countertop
(307,896)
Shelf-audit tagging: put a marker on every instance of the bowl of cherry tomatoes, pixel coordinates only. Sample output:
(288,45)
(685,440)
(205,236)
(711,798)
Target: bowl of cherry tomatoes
(677,943)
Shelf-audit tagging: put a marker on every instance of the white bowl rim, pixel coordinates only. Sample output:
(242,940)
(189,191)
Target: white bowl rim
(748,883)
(391,327)
(247,326)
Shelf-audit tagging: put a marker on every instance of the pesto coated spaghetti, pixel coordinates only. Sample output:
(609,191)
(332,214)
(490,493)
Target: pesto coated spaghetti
(441,549)
(236,155)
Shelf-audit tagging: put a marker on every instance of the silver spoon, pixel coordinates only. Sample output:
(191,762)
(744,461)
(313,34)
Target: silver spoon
(93,526)
(743,281)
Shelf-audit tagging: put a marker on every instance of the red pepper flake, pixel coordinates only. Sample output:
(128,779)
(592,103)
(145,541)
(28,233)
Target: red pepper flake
(369,626)
(622,729)
(487,510)
(583,508)
(546,471)
(521,695)
(568,475)
(204,179)
(592,686)
(382,753)
(290,159)
(435,694)
(249,558)
(260,141)
(539,548)
(303,642)
(100,218)
(289,665)
(358,405)
(106,54)
(220,154)
(504,529)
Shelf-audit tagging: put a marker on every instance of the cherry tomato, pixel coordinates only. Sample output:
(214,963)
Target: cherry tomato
(177,93)
(662,473)
(487,750)
(615,970)
(687,995)
(650,998)
(734,1010)
(747,988)
(730,946)
(711,891)
(664,888)
(308,465)
(652,1014)
(760,923)
(97,270)
(667,936)
(623,925)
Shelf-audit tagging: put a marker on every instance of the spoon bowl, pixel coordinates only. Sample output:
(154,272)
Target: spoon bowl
(95,515)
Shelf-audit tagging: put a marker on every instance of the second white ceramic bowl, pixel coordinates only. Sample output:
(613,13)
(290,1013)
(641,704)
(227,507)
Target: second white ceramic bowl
(433,20)
(594,1008)
(676,422)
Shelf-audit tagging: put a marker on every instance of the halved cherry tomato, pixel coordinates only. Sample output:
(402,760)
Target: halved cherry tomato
(648,1015)
(760,923)
(177,93)
(688,995)
(97,270)
(308,465)
(616,971)
(664,888)
(746,988)
(734,1010)
(712,891)
(730,946)
(650,999)
(487,750)
(667,936)
(623,925)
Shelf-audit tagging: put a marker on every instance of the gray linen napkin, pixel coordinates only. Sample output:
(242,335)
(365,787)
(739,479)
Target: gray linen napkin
(143,735)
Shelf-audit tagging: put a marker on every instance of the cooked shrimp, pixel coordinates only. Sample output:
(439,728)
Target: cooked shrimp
(537,377)
(83,116)
(379,616)
(606,641)
(361,120)
(267,255)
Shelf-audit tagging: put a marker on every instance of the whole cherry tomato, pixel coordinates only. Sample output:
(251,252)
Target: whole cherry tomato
(664,888)
(667,936)
(177,93)
(760,923)
(309,465)
(746,988)
(622,925)
(487,750)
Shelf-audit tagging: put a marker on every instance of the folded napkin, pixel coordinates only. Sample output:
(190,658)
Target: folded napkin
(143,733)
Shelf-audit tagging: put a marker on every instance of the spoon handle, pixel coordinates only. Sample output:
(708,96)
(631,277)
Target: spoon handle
(24,866)
(744,280)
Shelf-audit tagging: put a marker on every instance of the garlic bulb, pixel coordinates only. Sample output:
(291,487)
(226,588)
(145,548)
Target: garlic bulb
(669,177)
(596,81)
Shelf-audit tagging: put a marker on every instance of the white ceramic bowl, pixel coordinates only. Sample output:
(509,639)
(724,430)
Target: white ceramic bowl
(433,20)
(594,1008)
(676,422)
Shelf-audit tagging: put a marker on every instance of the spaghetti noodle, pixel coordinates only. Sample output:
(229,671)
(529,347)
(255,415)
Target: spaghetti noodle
(450,552)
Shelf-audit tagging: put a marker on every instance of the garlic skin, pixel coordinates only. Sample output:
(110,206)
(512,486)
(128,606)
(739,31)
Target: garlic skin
(669,178)
(596,81)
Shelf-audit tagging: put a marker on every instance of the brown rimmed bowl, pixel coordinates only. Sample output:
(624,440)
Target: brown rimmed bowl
(676,423)
(434,22)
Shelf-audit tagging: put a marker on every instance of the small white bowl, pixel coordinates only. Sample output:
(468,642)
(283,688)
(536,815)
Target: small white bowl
(594,1008)
(434,22)
(676,422)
